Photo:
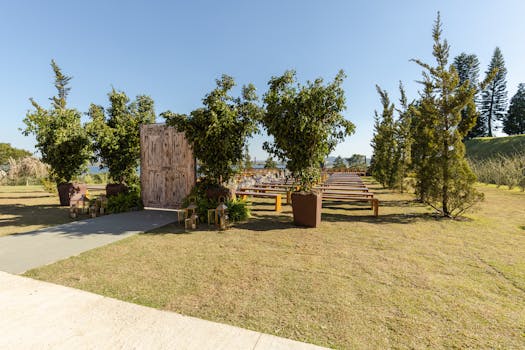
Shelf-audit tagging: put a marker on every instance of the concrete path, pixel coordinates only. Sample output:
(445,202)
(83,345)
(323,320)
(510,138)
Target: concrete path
(24,251)
(41,315)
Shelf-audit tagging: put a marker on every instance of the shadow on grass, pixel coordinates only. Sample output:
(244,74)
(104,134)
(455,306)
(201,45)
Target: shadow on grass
(21,215)
(381,219)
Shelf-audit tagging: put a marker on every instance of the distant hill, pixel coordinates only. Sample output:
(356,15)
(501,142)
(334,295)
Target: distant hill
(488,147)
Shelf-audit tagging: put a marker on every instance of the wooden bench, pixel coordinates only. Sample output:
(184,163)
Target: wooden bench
(283,191)
(373,201)
(276,196)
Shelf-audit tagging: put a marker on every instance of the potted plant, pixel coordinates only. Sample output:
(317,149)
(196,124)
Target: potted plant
(306,123)
(116,137)
(218,134)
(61,138)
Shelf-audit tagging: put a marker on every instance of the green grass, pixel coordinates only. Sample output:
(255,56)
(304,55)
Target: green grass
(404,280)
(489,147)
(28,208)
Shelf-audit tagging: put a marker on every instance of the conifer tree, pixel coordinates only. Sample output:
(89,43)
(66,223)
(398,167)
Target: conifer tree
(467,67)
(494,96)
(403,139)
(384,143)
(514,120)
(444,178)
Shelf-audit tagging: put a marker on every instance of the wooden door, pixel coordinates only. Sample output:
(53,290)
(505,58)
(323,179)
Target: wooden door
(167,166)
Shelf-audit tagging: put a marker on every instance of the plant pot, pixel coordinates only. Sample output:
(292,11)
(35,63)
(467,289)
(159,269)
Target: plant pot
(115,189)
(65,190)
(307,208)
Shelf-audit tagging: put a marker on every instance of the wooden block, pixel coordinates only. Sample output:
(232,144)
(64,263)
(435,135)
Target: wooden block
(278,203)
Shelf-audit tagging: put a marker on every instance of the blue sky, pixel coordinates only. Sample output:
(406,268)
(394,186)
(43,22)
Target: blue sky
(174,50)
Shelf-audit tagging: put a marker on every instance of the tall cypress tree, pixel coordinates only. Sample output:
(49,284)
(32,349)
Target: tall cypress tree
(383,142)
(403,138)
(494,96)
(467,67)
(445,180)
(514,120)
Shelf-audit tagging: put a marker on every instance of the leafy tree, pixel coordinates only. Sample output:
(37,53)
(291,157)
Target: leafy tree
(339,163)
(7,151)
(467,67)
(61,139)
(218,132)
(445,180)
(494,96)
(356,161)
(248,164)
(384,143)
(270,163)
(116,134)
(306,123)
(514,120)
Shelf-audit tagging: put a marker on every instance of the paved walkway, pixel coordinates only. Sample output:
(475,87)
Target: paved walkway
(41,315)
(24,251)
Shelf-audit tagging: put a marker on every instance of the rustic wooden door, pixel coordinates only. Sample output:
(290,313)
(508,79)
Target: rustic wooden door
(167,166)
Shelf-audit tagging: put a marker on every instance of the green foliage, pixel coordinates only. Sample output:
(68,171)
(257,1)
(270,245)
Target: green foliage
(116,134)
(124,201)
(514,120)
(491,147)
(61,139)
(7,151)
(467,67)
(384,143)
(445,181)
(218,131)
(339,163)
(270,163)
(306,123)
(494,96)
(238,210)
(49,185)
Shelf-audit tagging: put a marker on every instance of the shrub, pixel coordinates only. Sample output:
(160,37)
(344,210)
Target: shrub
(124,202)
(502,170)
(238,210)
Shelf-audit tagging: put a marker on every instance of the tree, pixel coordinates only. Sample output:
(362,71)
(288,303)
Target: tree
(384,143)
(403,138)
(514,120)
(356,161)
(494,96)
(339,163)
(61,139)
(116,134)
(218,132)
(7,151)
(445,180)
(467,67)
(306,123)
(270,163)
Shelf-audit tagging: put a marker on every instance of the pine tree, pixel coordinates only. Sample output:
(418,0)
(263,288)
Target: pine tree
(467,67)
(494,96)
(403,138)
(445,180)
(384,143)
(514,120)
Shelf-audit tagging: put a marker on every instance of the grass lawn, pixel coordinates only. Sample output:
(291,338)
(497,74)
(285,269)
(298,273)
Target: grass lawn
(28,208)
(403,280)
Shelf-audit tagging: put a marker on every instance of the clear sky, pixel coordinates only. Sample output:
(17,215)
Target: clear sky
(174,50)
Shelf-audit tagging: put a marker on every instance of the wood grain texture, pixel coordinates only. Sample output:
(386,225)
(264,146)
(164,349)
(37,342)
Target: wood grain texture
(167,166)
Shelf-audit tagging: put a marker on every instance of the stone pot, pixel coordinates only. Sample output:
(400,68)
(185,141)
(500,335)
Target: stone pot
(307,207)
(115,189)
(65,190)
